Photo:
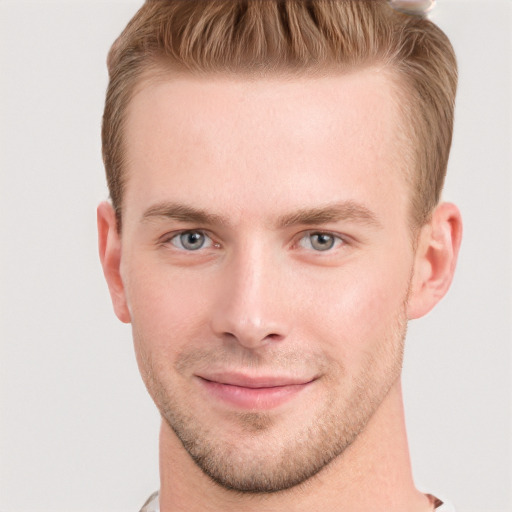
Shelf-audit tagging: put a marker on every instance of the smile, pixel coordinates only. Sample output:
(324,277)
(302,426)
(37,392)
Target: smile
(253,393)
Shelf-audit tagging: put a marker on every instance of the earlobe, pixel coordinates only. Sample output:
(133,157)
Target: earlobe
(109,244)
(435,259)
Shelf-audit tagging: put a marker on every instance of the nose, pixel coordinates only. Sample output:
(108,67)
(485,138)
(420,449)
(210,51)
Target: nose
(251,305)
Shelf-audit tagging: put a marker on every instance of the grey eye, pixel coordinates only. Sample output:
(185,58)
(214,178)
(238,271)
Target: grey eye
(190,240)
(322,241)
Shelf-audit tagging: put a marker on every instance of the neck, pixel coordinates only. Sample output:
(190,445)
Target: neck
(374,473)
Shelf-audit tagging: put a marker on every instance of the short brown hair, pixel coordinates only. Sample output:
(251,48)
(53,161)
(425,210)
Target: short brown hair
(265,36)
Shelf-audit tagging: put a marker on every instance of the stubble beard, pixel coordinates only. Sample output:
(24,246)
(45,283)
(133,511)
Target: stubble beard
(265,457)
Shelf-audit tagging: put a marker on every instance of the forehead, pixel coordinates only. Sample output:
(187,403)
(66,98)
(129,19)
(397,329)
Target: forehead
(254,144)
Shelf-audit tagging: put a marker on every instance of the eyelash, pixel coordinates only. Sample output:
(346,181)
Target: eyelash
(178,237)
(337,240)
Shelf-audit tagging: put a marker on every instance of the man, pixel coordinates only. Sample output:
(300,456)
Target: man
(275,168)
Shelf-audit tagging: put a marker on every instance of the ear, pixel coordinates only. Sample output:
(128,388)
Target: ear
(109,243)
(435,259)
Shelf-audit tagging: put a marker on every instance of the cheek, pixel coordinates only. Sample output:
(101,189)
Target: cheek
(359,311)
(167,310)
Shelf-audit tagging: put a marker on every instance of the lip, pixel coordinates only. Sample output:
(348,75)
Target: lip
(256,393)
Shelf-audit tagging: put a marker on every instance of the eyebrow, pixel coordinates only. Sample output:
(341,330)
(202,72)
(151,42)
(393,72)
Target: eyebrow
(182,213)
(344,211)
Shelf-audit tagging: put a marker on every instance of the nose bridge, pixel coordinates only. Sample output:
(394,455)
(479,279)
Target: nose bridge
(250,300)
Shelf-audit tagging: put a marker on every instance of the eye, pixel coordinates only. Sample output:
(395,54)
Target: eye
(191,240)
(320,241)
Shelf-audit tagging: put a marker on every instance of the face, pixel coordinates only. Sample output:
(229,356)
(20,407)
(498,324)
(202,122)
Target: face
(266,259)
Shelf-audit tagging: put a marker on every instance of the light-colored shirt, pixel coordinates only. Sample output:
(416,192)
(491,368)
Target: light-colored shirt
(153,505)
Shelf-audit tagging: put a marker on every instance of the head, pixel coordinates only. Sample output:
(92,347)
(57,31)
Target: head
(293,37)
(275,170)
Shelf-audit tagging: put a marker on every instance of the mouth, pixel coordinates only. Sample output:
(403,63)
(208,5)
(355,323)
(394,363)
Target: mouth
(253,393)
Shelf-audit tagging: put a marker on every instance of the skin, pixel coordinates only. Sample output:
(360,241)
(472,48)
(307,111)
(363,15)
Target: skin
(274,350)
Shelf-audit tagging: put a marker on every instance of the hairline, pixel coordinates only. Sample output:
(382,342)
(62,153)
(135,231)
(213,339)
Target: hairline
(158,70)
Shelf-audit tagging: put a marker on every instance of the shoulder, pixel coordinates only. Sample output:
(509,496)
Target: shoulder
(152,504)
(445,507)
(441,505)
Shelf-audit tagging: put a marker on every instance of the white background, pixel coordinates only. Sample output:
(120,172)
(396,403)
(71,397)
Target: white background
(77,430)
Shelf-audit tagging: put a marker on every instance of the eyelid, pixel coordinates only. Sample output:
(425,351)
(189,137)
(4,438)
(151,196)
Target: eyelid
(167,239)
(342,239)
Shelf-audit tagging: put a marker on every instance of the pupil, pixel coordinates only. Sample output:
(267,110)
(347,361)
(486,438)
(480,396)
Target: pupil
(322,241)
(192,240)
